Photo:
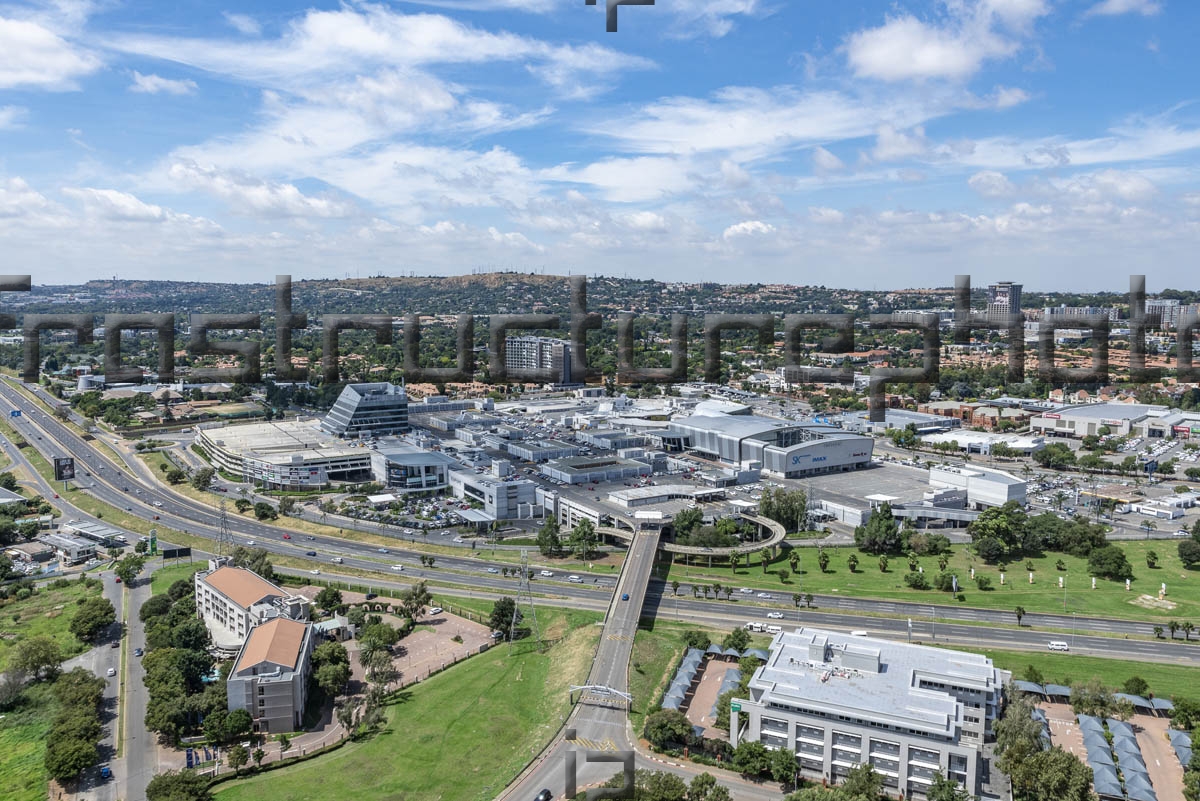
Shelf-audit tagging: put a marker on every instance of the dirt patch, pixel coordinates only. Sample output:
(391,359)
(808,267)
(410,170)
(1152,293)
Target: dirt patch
(1150,602)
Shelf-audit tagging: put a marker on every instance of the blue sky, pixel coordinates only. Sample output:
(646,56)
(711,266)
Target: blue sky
(858,144)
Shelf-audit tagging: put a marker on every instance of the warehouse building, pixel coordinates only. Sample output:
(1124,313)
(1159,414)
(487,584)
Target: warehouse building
(838,701)
(270,677)
(543,450)
(594,469)
(368,410)
(782,448)
(984,487)
(982,442)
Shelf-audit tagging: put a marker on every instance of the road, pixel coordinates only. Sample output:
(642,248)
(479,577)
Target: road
(140,760)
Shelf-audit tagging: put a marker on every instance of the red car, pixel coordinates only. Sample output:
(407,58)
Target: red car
(118,579)
(287,536)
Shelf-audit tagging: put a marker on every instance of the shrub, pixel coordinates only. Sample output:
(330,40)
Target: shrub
(917,581)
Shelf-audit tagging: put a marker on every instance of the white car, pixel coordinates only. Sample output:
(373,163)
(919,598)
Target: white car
(492,570)
(746,591)
(546,573)
(315,572)
(112,671)
(437,610)
(775,615)
(397,567)
(766,596)
(249,542)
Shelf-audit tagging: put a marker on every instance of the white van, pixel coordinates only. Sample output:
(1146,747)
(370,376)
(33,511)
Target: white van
(575,579)
(337,560)
(1058,645)
(774,629)
(859,633)
(754,625)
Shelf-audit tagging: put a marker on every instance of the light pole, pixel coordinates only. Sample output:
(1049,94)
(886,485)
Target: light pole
(1072,629)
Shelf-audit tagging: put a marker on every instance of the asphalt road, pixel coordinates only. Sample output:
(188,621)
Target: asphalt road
(140,760)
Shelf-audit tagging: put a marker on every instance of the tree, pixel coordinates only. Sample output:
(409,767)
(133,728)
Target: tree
(38,657)
(881,534)
(180,785)
(1189,553)
(501,618)
(1058,776)
(255,560)
(783,765)
(332,677)
(175,476)
(8,481)
(862,782)
(666,727)
(751,758)
(285,743)
(696,639)
(1006,524)
(883,564)
(329,599)
(823,561)
(1018,738)
(1020,613)
(1135,685)
(705,788)
(242,505)
(990,550)
(583,539)
(547,537)
(944,788)
(265,511)
(129,567)
(1151,559)
(236,757)
(141,548)
(68,757)
(203,478)
(1173,625)
(91,617)
(852,562)
(238,724)
(1110,562)
(674,587)
(687,520)
(738,640)
(1093,698)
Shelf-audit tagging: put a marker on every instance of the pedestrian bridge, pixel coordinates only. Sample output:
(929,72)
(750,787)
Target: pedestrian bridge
(776,538)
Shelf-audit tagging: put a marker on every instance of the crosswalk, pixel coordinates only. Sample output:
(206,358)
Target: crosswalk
(620,637)
(594,745)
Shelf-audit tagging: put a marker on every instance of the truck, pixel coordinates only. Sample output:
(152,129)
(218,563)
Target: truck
(754,625)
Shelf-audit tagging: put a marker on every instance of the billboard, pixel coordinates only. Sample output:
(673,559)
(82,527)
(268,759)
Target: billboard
(64,468)
(1052,416)
(176,553)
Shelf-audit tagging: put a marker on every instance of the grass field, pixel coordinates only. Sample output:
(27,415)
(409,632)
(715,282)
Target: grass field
(46,613)
(1166,681)
(1109,599)
(165,576)
(23,733)
(463,734)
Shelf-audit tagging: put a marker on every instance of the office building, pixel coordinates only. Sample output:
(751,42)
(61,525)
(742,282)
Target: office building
(549,358)
(233,600)
(411,469)
(289,455)
(839,701)
(270,677)
(983,487)
(1058,313)
(1004,299)
(368,410)
(502,499)
(69,550)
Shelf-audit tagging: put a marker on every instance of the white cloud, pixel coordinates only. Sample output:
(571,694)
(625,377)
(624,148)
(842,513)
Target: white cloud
(18,199)
(644,221)
(825,162)
(154,85)
(629,180)
(110,204)
(12,116)
(954,46)
(35,57)
(1007,97)
(893,145)
(242,23)
(990,184)
(824,214)
(253,196)
(1112,8)
(748,228)
(713,18)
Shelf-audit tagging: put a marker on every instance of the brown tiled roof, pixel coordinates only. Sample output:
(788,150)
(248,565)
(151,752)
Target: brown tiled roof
(244,587)
(278,642)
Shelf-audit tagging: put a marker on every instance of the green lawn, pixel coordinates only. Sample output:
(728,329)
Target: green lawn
(1166,681)
(461,735)
(167,575)
(1109,599)
(48,613)
(23,731)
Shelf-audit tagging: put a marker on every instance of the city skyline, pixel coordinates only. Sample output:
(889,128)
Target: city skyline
(1048,143)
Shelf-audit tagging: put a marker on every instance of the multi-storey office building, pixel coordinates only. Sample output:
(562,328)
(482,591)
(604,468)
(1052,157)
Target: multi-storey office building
(270,677)
(233,600)
(838,701)
(368,410)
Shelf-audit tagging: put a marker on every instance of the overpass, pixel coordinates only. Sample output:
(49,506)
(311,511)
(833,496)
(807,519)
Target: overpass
(778,535)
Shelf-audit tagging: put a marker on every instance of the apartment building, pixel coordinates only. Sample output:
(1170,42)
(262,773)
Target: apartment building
(547,357)
(233,600)
(1004,299)
(270,677)
(839,701)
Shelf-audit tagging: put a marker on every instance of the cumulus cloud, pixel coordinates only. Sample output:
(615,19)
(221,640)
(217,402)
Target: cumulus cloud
(154,85)
(747,228)
(825,162)
(990,183)
(953,46)
(11,116)
(34,57)
(894,145)
(254,196)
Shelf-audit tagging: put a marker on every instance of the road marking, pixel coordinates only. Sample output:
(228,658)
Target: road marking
(595,745)
(620,637)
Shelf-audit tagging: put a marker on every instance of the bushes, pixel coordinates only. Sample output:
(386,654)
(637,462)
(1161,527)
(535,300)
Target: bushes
(917,581)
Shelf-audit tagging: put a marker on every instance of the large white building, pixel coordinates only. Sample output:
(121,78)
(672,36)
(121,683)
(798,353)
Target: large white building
(548,356)
(1120,419)
(233,600)
(285,455)
(984,487)
(838,701)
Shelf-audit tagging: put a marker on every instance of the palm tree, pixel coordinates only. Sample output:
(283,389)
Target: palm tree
(1188,628)
(822,560)
(1020,613)
(794,561)
(853,562)
(883,564)
(1148,526)
(695,591)
(808,600)
(1172,626)
(1158,632)
(717,591)
(674,587)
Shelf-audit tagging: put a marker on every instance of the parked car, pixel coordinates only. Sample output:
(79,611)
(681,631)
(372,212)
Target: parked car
(437,610)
